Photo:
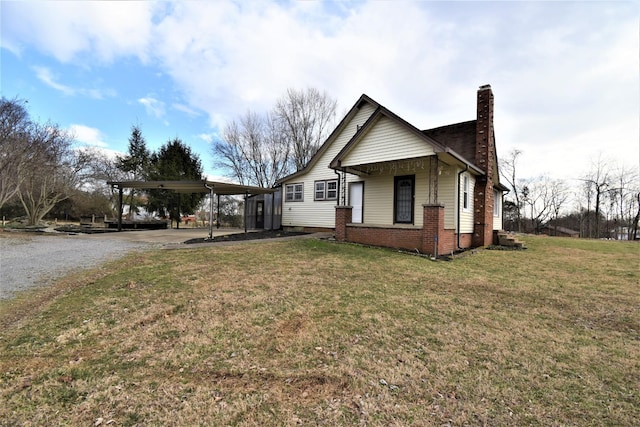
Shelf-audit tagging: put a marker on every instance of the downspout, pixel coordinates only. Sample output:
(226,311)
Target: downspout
(458,207)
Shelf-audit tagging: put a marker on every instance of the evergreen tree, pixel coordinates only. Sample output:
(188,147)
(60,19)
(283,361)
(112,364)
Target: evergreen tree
(135,164)
(174,162)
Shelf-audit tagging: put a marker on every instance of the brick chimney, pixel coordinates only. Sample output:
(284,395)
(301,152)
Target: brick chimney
(485,159)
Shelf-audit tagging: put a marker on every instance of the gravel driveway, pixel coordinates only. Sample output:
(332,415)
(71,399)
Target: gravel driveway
(27,261)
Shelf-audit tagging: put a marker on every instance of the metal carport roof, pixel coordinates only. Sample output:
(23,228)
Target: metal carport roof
(222,188)
(203,186)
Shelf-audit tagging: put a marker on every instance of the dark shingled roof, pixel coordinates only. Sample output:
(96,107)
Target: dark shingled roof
(460,137)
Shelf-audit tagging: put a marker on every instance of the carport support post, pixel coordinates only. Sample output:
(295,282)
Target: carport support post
(218,215)
(246,196)
(210,211)
(119,208)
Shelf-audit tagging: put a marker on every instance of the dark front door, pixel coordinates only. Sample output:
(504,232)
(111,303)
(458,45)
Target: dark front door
(260,214)
(403,199)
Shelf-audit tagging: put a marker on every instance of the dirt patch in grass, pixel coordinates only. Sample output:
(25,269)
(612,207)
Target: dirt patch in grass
(308,332)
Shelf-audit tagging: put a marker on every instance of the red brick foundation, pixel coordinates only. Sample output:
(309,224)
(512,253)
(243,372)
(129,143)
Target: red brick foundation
(398,238)
(430,239)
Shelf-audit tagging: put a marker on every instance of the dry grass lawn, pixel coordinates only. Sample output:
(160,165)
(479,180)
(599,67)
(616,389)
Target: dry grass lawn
(308,332)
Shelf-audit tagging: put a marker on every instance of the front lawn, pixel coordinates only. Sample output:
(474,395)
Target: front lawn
(309,332)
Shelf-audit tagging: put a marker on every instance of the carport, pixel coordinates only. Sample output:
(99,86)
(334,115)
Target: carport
(188,187)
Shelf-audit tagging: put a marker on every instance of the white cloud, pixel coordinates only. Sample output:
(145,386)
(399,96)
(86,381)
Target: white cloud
(564,73)
(153,107)
(88,135)
(207,137)
(185,109)
(71,30)
(46,76)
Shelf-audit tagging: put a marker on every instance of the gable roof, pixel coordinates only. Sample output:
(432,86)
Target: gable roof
(455,142)
(443,151)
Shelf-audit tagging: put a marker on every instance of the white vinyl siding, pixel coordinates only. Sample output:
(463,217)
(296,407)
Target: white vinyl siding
(310,213)
(385,134)
(447,190)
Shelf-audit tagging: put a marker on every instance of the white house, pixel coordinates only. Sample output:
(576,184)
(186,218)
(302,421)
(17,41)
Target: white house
(380,180)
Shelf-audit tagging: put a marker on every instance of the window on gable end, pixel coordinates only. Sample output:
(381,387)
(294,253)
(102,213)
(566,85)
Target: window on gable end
(294,193)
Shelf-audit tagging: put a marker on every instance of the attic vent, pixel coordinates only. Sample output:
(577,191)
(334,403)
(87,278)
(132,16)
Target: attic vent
(358,127)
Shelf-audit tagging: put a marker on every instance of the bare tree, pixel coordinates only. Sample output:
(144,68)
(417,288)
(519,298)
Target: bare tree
(544,199)
(103,168)
(259,150)
(636,218)
(596,183)
(14,146)
(52,171)
(306,117)
(622,199)
(508,172)
(253,150)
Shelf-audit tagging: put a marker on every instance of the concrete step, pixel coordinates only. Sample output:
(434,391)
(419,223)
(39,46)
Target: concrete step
(509,240)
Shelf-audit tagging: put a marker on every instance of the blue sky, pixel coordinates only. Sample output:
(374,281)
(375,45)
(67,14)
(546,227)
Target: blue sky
(564,74)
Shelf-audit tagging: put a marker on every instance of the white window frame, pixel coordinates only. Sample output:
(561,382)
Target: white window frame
(321,191)
(294,192)
(465,193)
(496,203)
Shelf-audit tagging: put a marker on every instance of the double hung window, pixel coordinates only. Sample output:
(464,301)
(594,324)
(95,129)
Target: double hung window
(465,192)
(326,190)
(294,192)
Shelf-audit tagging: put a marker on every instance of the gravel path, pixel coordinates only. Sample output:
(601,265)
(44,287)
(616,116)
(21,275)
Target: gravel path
(28,261)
